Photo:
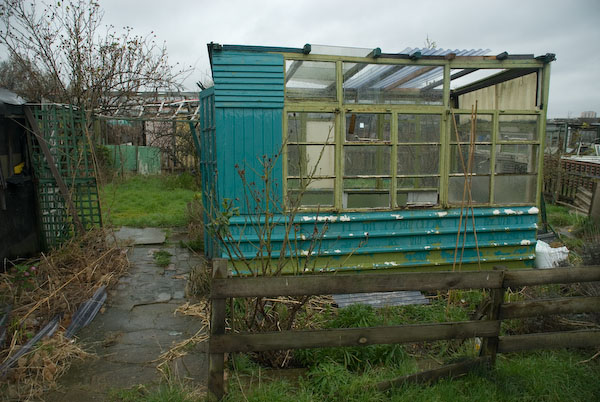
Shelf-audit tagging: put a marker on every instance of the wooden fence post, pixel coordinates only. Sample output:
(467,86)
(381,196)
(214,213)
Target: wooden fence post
(489,346)
(216,361)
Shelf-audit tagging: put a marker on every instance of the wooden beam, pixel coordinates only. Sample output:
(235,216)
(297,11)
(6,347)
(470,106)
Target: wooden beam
(344,284)
(549,340)
(246,342)
(62,187)
(430,376)
(532,277)
(216,360)
(563,305)
(499,78)
(489,346)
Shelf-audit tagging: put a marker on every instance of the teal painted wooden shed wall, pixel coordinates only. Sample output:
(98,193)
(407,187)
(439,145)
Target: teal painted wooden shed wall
(248,80)
(205,140)
(241,123)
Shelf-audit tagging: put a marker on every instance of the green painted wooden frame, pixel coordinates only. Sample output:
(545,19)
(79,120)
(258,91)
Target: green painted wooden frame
(445,111)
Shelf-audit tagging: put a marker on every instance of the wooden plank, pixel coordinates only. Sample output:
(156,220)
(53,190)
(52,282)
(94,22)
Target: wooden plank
(532,277)
(549,340)
(429,376)
(351,336)
(344,284)
(564,305)
(55,173)
(216,360)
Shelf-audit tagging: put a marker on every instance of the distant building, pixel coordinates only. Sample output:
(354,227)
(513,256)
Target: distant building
(588,115)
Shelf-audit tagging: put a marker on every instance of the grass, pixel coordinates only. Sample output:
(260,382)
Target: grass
(351,373)
(559,216)
(541,376)
(163,393)
(162,258)
(148,201)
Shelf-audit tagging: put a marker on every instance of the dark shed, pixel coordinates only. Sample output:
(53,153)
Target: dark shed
(19,221)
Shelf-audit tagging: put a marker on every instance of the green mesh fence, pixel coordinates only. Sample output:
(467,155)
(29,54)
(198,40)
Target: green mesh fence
(63,130)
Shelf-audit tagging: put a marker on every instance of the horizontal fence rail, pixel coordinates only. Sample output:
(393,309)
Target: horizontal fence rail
(496,310)
(353,283)
(258,342)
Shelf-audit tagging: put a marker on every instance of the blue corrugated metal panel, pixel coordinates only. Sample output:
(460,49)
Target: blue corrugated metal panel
(398,239)
(248,80)
(245,137)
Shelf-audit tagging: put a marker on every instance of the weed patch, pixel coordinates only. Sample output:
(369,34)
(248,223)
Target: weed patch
(162,258)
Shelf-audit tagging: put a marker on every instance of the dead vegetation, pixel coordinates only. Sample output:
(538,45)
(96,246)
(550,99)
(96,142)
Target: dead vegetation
(57,284)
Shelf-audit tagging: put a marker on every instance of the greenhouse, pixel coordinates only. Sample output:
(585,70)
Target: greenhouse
(427,158)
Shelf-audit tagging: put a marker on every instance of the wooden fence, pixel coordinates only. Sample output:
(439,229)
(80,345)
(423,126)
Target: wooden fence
(488,327)
(569,181)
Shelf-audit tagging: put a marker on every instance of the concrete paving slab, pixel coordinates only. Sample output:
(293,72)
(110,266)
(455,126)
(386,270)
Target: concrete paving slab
(141,236)
(138,324)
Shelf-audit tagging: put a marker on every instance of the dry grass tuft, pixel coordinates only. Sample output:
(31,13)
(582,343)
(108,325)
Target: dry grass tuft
(38,370)
(58,284)
(199,310)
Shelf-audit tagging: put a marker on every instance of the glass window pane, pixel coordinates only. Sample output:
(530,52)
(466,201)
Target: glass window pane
(418,182)
(380,83)
(515,189)
(375,183)
(416,198)
(483,128)
(366,193)
(367,127)
(311,127)
(367,200)
(480,189)
(418,159)
(517,128)
(310,80)
(310,160)
(418,128)
(480,162)
(366,160)
(311,193)
(516,158)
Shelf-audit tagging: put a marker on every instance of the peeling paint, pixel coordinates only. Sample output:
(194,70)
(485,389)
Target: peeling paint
(328,218)
(397,216)
(525,242)
(510,212)
(390,263)
(337,251)
(303,237)
(533,211)
(442,214)
(345,218)
(496,212)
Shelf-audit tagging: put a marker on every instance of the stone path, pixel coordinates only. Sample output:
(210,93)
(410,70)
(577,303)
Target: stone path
(136,327)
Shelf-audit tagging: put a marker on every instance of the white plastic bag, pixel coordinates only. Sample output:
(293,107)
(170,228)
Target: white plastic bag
(548,257)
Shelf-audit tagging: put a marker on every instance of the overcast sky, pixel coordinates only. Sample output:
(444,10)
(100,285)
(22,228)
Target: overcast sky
(570,29)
